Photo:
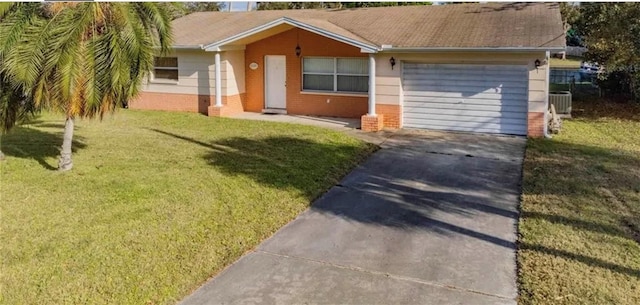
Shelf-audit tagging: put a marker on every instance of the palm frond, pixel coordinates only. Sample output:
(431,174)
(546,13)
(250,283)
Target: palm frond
(15,105)
(85,59)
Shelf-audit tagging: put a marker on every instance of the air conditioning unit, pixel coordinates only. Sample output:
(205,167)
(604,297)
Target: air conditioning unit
(562,101)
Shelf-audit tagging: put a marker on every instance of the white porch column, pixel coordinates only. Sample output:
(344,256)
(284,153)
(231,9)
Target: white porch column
(372,85)
(218,80)
(545,128)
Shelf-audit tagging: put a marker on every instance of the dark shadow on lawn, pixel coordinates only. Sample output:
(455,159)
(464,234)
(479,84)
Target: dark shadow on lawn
(579,170)
(281,162)
(406,198)
(577,223)
(583,178)
(33,143)
(581,258)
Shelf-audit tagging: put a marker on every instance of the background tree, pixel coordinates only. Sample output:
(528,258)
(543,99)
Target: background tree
(179,9)
(192,7)
(380,4)
(329,5)
(82,59)
(611,32)
(571,15)
(263,6)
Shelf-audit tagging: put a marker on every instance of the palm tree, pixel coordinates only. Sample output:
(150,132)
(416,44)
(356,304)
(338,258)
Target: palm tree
(15,106)
(82,59)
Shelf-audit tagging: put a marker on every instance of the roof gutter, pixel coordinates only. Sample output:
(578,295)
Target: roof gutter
(187,47)
(387,48)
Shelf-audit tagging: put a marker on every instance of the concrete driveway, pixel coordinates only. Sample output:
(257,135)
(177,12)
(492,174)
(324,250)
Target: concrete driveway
(428,219)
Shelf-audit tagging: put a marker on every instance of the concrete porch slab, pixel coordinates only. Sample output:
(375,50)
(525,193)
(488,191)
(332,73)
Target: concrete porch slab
(326,122)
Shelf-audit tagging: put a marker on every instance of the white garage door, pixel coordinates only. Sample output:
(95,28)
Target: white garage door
(478,98)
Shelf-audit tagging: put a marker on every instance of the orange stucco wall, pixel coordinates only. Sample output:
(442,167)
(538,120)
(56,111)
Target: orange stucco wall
(297,102)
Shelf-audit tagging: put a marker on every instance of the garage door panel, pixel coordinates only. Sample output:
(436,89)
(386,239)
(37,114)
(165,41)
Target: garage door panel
(514,120)
(475,86)
(466,75)
(461,75)
(467,126)
(484,125)
(475,83)
(428,67)
(470,129)
(463,112)
(479,98)
(464,94)
(469,103)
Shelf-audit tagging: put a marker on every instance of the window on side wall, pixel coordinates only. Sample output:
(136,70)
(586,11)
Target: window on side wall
(165,69)
(331,74)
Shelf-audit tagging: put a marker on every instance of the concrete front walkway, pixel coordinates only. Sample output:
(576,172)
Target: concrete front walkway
(428,219)
(327,122)
(346,125)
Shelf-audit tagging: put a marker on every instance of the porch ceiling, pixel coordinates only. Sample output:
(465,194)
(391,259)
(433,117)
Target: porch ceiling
(262,34)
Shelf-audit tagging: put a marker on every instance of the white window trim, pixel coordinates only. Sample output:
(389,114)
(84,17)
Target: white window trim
(335,75)
(165,80)
(331,93)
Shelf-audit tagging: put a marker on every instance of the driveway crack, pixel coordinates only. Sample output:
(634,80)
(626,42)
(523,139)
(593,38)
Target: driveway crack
(385,274)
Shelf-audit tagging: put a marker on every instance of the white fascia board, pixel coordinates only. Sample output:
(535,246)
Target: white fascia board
(216,46)
(226,48)
(483,49)
(369,51)
(184,47)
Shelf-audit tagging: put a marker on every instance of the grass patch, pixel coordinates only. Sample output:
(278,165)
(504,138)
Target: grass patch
(580,218)
(157,202)
(570,62)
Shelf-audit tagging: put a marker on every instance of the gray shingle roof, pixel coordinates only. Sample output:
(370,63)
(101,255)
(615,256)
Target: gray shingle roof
(484,25)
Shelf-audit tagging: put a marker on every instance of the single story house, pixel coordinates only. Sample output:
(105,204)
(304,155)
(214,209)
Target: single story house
(464,67)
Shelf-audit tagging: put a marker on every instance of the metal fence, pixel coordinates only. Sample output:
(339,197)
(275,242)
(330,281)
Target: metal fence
(569,76)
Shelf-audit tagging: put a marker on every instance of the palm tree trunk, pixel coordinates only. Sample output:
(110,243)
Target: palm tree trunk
(65,163)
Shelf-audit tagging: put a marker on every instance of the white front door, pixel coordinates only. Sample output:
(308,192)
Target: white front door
(275,79)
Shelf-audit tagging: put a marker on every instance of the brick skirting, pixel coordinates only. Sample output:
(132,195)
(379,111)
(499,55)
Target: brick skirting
(536,123)
(188,103)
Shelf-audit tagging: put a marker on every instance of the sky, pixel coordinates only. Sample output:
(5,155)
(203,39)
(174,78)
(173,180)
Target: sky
(239,6)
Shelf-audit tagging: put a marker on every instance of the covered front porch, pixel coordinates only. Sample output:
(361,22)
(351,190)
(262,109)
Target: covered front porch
(271,73)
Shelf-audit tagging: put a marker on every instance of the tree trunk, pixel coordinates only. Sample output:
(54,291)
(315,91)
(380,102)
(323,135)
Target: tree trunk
(65,163)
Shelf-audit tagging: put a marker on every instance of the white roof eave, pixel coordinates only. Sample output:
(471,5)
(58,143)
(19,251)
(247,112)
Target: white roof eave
(364,47)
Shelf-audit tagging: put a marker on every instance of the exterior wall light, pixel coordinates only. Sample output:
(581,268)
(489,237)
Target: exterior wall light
(298,50)
(392,61)
(537,64)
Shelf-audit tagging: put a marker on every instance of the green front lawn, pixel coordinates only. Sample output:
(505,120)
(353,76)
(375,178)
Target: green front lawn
(580,221)
(157,202)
